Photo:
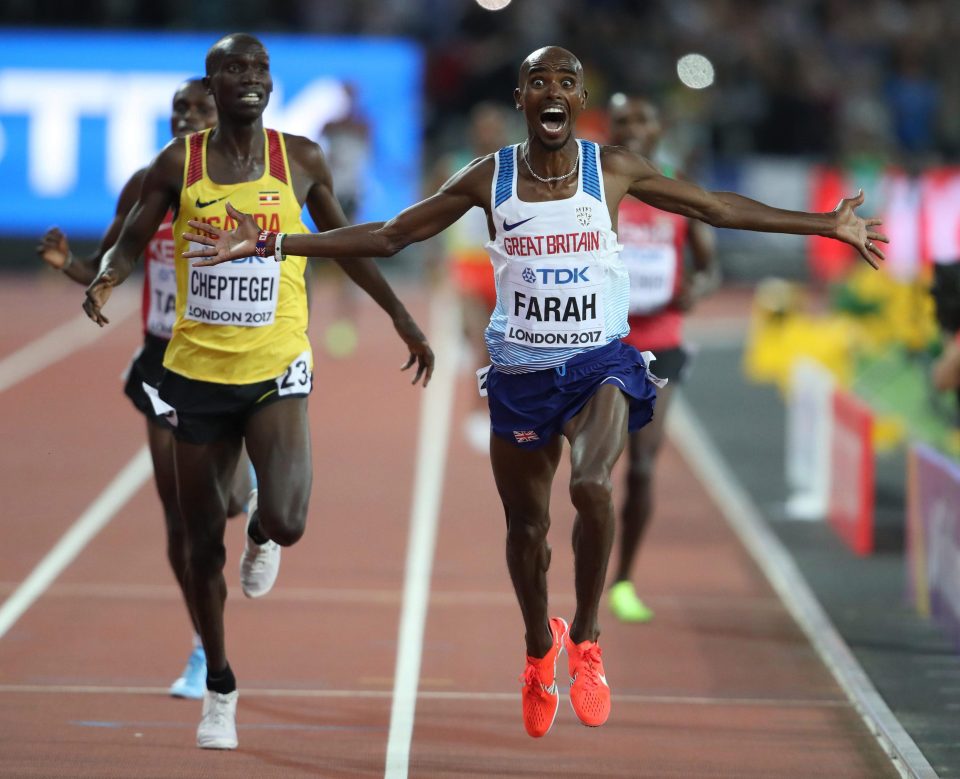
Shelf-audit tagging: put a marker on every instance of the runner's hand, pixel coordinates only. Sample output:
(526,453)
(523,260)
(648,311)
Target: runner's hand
(420,351)
(53,248)
(98,293)
(857,231)
(217,245)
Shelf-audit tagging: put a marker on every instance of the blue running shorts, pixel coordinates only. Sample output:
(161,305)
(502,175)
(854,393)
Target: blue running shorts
(529,409)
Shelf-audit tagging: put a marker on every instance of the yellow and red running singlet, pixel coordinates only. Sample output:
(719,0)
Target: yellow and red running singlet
(243,321)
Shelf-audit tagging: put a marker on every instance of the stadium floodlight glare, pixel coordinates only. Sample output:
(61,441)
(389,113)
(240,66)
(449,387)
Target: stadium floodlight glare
(695,71)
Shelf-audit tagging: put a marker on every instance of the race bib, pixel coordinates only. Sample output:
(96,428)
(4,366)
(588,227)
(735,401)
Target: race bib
(653,273)
(554,304)
(482,380)
(297,379)
(162,305)
(241,293)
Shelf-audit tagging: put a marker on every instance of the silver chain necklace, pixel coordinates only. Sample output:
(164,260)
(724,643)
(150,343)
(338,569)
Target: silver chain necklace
(548,179)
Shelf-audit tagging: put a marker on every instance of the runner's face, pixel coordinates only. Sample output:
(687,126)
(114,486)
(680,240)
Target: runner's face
(193,110)
(551,96)
(242,84)
(635,123)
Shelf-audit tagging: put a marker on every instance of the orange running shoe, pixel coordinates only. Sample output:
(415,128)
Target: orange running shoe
(539,692)
(589,693)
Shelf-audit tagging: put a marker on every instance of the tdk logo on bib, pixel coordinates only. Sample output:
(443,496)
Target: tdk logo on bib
(556,276)
(244,260)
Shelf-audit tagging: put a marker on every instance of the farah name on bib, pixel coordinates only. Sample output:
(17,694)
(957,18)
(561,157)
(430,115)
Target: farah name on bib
(653,273)
(560,304)
(241,293)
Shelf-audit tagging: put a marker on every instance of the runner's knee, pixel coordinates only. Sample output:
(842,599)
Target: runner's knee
(589,492)
(283,524)
(207,558)
(640,471)
(524,531)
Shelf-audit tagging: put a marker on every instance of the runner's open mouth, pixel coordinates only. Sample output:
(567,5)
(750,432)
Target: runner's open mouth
(553,119)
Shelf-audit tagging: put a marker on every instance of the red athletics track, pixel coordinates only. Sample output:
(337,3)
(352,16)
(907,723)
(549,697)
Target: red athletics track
(721,684)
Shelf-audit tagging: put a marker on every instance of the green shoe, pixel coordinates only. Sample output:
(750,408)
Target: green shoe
(625,604)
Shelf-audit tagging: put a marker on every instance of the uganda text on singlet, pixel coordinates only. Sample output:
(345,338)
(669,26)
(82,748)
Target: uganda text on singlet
(561,287)
(243,321)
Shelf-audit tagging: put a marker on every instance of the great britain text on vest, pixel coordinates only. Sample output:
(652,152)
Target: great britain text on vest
(545,245)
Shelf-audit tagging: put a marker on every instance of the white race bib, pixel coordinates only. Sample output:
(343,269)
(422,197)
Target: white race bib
(162,305)
(297,379)
(242,293)
(653,273)
(551,304)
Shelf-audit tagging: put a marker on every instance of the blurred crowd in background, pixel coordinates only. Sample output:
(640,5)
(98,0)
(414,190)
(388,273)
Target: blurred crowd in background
(812,100)
(823,78)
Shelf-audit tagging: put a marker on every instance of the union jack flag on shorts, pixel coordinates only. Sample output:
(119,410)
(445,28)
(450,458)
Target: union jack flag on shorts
(525,436)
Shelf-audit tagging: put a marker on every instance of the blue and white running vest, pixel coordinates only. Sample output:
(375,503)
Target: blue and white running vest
(561,287)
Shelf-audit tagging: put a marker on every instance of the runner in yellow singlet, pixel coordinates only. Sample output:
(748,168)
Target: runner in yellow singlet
(239,367)
(193,110)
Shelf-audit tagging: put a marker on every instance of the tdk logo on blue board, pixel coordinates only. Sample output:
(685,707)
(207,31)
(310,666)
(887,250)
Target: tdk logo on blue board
(555,277)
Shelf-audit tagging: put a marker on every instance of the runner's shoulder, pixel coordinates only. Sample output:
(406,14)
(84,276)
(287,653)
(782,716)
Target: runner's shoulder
(476,177)
(306,155)
(620,161)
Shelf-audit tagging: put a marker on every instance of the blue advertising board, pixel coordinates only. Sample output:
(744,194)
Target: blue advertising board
(81,111)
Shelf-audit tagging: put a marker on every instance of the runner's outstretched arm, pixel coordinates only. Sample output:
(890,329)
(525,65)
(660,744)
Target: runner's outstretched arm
(728,209)
(55,250)
(158,193)
(470,187)
(328,215)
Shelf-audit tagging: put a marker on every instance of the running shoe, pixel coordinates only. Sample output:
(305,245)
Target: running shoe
(259,563)
(218,725)
(193,681)
(539,692)
(625,604)
(589,693)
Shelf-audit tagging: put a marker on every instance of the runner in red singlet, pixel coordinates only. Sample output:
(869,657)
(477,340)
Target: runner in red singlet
(654,245)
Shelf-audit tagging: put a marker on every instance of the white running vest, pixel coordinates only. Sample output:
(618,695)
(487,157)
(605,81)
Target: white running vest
(561,286)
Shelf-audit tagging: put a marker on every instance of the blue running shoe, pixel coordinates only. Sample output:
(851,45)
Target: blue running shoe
(253,486)
(193,683)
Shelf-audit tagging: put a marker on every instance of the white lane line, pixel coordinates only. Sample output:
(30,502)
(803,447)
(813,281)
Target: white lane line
(688,435)
(86,526)
(62,341)
(436,695)
(435,410)
(380,597)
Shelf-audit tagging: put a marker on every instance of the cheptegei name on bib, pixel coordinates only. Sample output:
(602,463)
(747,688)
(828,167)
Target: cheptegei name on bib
(242,293)
(559,304)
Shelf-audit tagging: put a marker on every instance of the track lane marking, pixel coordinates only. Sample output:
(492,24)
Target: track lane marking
(432,695)
(63,341)
(770,555)
(438,598)
(436,407)
(71,543)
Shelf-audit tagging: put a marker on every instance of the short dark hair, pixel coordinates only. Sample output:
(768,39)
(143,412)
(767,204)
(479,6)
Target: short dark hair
(222,47)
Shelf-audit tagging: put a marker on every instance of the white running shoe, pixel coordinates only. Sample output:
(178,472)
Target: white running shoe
(259,563)
(218,725)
